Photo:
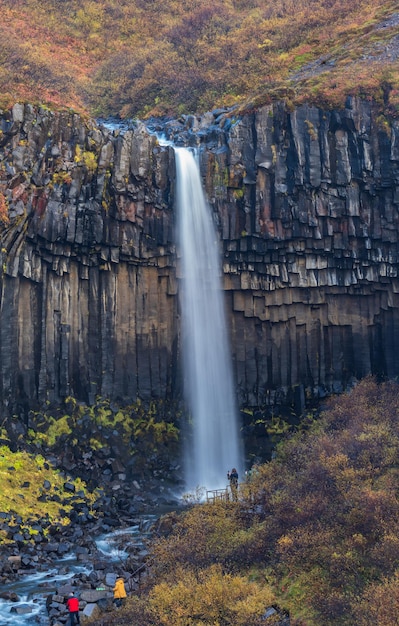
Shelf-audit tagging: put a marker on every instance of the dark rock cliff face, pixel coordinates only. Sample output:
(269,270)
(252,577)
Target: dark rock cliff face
(307,206)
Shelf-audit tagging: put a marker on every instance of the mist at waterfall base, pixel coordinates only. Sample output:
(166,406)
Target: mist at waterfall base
(214,445)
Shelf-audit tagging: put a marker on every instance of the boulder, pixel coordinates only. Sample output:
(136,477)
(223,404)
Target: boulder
(93,595)
(64,548)
(57,598)
(110,579)
(91,611)
(50,547)
(21,609)
(65,590)
(9,595)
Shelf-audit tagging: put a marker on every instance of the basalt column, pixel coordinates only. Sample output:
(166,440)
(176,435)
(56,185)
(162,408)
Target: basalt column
(307,203)
(88,287)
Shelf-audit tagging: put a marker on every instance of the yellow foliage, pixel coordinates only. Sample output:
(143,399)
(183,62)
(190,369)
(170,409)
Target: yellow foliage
(285,542)
(61,178)
(87,158)
(35,471)
(209,598)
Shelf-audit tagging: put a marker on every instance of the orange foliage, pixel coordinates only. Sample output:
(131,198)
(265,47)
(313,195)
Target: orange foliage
(4,219)
(379,605)
(317,528)
(137,57)
(324,515)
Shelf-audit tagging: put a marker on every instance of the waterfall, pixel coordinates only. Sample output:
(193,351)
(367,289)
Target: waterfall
(215,445)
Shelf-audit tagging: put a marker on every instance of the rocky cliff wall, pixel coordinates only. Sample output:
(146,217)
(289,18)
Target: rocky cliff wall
(88,289)
(309,219)
(307,207)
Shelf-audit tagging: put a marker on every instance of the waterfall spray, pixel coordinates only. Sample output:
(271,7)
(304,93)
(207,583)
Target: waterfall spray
(208,381)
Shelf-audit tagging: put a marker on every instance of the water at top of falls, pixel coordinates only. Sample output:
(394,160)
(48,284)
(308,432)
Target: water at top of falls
(215,447)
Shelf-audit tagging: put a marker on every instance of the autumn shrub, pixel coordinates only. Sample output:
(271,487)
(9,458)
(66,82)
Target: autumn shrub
(379,604)
(314,532)
(319,523)
(141,57)
(208,598)
(202,536)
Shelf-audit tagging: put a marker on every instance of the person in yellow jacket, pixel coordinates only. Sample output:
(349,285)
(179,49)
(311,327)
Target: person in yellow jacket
(119,592)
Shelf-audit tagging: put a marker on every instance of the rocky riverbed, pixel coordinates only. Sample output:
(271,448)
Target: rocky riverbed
(42,563)
(106,498)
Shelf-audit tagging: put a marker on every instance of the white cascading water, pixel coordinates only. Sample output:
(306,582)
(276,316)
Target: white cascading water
(215,446)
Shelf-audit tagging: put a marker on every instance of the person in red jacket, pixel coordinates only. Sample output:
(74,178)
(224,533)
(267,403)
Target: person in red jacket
(73,607)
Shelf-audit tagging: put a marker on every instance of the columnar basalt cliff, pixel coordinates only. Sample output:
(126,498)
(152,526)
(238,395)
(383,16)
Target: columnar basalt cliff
(307,206)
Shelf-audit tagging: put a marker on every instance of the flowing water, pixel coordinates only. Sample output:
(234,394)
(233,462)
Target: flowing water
(116,545)
(32,591)
(215,446)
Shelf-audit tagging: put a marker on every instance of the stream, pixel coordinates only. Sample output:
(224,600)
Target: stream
(109,544)
(33,589)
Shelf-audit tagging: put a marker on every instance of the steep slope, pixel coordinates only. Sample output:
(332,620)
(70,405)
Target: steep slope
(136,58)
(316,529)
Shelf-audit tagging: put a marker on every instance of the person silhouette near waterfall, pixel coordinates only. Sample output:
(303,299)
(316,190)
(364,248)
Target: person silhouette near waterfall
(233,480)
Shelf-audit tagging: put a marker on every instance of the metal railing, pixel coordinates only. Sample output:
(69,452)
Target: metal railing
(218,495)
(227,494)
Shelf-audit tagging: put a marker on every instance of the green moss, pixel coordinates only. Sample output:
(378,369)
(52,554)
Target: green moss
(35,470)
(302,59)
(95,444)
(55,428)
(384,124)
(277,426)
(311,130)
(87,158)
(141,430)
(220,175)
(239,193)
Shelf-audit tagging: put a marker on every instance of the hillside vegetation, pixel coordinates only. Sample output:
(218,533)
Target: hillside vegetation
(146,57)
(315,532)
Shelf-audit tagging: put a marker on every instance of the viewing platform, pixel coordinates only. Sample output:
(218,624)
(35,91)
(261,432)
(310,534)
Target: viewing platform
(222,495)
